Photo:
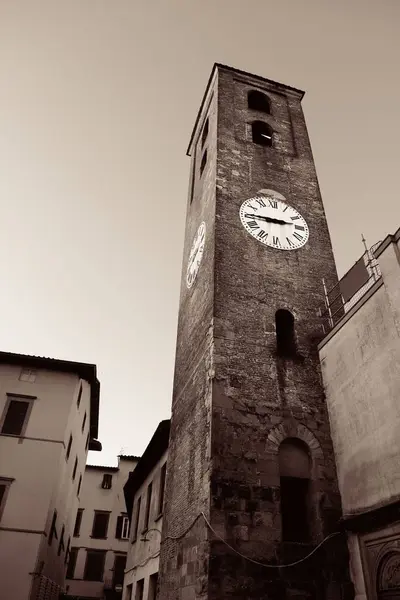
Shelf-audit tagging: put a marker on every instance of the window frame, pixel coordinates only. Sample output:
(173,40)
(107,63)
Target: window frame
(161,489)
(84,422)
(106,487)
(73,552)
(139,589)
(79,397)
(78,522)
(17,398)
(149,497)
(258,124)
(135,529)
(75,468)
(53,529)
(92,551)
(69,446)
(6,481)
(27,375)
(102,512)
(205,131)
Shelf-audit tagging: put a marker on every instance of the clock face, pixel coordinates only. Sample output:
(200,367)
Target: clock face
(273,222)
(196,254)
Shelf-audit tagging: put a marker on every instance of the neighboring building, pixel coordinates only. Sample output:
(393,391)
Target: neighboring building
(250,458)
(101,534)
(49,412)
(360,360)
(144,494)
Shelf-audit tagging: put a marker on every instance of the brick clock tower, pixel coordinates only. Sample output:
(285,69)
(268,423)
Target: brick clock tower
(250,459)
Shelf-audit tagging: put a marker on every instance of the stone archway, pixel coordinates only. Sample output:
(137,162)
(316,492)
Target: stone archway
(388,577)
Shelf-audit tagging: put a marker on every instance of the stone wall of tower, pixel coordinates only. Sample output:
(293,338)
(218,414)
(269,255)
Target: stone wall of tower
(234,399)
(260,398)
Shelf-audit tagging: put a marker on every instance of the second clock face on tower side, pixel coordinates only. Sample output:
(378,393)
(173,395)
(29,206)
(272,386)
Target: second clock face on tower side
(196,254)
(273,222)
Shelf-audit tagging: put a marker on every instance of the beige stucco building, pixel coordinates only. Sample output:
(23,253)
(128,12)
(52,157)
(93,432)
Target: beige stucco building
(101,534)
(144,494)
(360,359)
(48,422)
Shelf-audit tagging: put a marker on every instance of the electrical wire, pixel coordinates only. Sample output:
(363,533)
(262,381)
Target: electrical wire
(256,562)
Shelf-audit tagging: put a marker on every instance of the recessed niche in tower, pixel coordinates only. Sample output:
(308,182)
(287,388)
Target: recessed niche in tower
(258,101)
(262,133)
(285,336)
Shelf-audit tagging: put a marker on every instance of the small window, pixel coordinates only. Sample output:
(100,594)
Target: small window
(61,547)
(15,416)
(137,516)
(78,401)
(94,567)
(84,422)
(79,485)
(153,586)
(69,447)
(129,589)
(28,375)
(53,529)
(119,569)
(261,133)
(285,338)
(67,551)
(107,481)
(122,530)
(203,162)
(75,468)
(4,487)
(148,505)
(78,522)
(139,589)
(73,555)
(204,135)
(162,488)
(100,524)
(258,101)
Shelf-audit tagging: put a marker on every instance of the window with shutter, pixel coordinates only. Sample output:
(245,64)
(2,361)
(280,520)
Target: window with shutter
(122,529)
(107,481)
(119,569)
(15,417)
(100,524)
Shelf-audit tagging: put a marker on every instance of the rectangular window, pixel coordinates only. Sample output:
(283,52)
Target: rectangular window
(79,485)
(84,422)
(94,567)
(122,530)
(135,529)
(128,595)
(100,524)
(73,555)
(78,400)
(4,487)
(153,586)
(61,546)
(69,446)
(75,468)
(15,416)
(162,488)
(53,529)
(28,375)
(139,589)
(148,505)
(78,522)
(67,551)
(107,481)
(119,569)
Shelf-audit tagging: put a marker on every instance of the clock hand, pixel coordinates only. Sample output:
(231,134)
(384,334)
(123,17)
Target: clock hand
(268,219)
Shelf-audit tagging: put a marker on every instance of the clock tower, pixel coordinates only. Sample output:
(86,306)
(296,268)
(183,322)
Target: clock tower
(251,482)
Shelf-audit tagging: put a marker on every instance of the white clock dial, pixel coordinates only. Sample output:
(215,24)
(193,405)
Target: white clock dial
(273,222)
(196,254)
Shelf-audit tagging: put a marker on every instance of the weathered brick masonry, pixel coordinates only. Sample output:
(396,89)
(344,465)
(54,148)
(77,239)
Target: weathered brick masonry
(234,398)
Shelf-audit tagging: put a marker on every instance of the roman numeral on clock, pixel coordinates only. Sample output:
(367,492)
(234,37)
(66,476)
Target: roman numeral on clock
(276,242)
(273,203)
(297,236)
(295,217)
(253,224)
(262,234)
(261,202)
(289,241)
(300,227)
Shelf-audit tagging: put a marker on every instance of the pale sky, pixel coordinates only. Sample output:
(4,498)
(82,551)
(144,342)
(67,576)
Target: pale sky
(97,103)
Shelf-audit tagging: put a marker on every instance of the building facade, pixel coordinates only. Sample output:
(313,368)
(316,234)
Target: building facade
(48,422)
(360,360)
(100,539)
(144,494)
(250,459)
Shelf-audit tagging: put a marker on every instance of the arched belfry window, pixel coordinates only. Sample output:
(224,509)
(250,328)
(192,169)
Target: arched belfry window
(258,101)
(285,337)
(295,475)
(261,133)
